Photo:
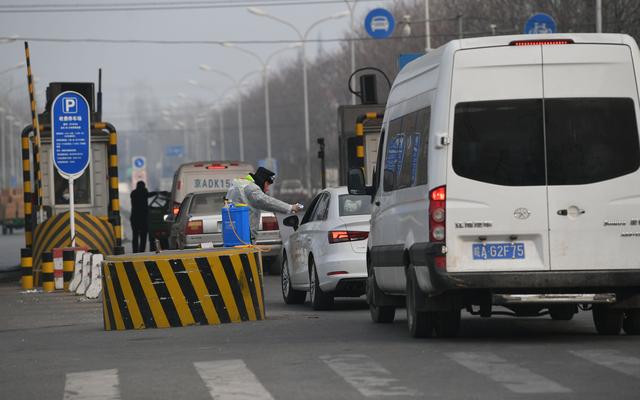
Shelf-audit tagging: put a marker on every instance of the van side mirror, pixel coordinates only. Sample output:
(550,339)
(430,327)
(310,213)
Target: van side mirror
(291,221)
(356,184)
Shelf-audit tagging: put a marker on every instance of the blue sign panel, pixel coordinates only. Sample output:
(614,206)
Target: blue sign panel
(174,151)
(379,23)
(540,23)
(138,162)
(71,133)
(406,58)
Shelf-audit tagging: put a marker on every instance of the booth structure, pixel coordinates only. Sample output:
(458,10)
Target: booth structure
(46,192)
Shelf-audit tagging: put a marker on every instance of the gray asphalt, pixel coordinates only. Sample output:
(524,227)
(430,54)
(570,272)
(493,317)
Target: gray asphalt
(298,353)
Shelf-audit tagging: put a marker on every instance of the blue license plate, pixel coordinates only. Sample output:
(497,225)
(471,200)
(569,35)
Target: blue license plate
(498,251)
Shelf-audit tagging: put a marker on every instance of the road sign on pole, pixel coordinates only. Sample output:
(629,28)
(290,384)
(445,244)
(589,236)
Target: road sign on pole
(540,23)
(71,135)
(139,170)
(379,23)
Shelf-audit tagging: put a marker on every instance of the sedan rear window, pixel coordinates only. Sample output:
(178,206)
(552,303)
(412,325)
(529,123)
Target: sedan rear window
(207,203)
(354,205)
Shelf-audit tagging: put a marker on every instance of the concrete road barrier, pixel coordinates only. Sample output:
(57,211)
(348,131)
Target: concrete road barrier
(180,288)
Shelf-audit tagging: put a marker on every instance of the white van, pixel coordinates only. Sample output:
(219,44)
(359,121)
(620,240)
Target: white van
(509,177)
(205,176)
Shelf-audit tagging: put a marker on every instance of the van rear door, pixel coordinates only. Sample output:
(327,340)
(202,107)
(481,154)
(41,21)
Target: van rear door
(591,130)
(496,195)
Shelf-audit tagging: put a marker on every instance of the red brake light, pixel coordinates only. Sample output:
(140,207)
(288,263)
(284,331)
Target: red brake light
(437,214)
(194,227)
(178,185)
(176,208)
(347,236)
(540,42)
(216,166)
(270,224)
(337,273)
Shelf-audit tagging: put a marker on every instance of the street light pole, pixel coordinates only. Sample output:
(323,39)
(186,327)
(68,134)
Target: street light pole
(303,39)
(352,48)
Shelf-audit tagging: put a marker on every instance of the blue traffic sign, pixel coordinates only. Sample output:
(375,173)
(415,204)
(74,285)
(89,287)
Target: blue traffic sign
(379,23)
(71,132)
(174,151)
(138,162)
(540,23)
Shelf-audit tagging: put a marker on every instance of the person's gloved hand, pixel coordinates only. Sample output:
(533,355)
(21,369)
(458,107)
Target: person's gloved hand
(296,208)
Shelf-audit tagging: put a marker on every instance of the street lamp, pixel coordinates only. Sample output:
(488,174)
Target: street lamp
(265,83)
(352,48)
(303,39)
(237,84)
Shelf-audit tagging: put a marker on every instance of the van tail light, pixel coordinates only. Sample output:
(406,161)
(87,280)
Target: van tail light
(437,214)
(540,42)
(216,166)
(347,236)
(194,227)
(176,208)
(270,224)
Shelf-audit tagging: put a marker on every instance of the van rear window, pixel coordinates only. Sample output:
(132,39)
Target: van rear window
(500,142)
(588,140)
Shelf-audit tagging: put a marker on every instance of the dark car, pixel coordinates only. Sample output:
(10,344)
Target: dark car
(159,206)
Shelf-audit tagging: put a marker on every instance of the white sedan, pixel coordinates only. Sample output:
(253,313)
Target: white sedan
(326,255)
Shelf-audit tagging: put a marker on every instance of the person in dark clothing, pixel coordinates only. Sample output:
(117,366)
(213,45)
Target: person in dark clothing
(140,217)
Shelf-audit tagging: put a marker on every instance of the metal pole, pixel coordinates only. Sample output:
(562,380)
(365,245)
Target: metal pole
(12,156)
(352,49)
(267,111)
(599,16)
(307,139)
(72,216)
(460,27)
(240,129)
(223,151)
(3,147)
(427,26)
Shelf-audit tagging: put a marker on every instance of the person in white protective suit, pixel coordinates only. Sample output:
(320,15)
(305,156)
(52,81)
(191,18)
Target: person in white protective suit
(252,190)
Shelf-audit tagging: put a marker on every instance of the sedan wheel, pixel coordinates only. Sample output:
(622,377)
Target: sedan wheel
(289,294)
(319,299)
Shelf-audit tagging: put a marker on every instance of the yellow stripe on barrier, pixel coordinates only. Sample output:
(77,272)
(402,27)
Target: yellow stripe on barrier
(172,289)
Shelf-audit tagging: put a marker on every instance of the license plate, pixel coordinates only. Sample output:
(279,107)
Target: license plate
(498,251)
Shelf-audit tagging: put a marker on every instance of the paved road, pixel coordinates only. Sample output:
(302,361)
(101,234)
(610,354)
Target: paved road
(53,347)
(10,246)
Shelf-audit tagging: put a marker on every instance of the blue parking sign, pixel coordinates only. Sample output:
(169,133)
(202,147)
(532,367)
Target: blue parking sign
(379,23)
(540,23)
(71,134)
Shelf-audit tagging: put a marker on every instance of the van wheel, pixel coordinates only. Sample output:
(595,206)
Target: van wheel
(289,294)
(447,324)
(607,320)
(379,314)
(562,312)
(631,323)
(421,323)
(319,299)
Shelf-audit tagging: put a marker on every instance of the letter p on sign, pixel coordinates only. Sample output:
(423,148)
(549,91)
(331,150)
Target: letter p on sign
(70,106)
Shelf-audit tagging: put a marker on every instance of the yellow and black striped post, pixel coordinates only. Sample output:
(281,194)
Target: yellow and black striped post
(172,289)
(26,265)
(114,196)
(47,272)
(36,126)
(26,186)
(360,134)
(68,266)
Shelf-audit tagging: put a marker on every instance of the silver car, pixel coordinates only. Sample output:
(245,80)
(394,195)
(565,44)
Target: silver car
(199,221)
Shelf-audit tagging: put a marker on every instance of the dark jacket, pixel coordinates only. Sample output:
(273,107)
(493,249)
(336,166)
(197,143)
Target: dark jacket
(139,208)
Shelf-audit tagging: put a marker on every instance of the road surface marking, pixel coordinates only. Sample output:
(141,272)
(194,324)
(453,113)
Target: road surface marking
(513,377)
(366,375)
(231,380)
(92,385)
(611,359)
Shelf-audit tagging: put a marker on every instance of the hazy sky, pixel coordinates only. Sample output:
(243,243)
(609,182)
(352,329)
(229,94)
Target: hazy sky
(165,69)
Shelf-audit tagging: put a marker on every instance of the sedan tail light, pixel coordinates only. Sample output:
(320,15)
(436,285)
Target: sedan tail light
(194,227)
(270,224)
(347,236)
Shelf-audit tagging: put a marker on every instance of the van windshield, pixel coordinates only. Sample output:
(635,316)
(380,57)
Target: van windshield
(588,140)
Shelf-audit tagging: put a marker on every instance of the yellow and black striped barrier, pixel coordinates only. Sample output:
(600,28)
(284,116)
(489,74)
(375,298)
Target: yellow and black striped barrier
(177,288)
(68,266)
(26,264)
(360,121)
(48,285)
(91,233)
